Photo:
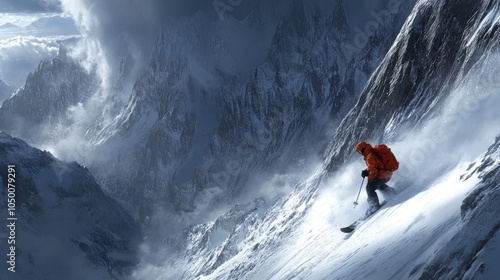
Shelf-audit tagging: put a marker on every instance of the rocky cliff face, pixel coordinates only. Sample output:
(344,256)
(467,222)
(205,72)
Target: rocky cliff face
(438,47)
(193,132)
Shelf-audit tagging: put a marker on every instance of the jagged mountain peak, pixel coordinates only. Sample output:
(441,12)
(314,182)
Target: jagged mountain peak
(37,110)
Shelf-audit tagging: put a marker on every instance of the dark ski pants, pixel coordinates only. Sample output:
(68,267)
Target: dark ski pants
(376,184)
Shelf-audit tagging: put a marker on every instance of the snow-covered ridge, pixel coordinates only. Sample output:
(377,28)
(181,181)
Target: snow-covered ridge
(66,227)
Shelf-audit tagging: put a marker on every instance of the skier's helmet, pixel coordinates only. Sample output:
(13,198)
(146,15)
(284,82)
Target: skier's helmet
(361,147)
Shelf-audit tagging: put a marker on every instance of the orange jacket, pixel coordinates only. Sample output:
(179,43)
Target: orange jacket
(375,166)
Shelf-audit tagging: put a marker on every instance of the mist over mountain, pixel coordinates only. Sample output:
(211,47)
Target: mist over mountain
(5,90)
(228,131)
(47,104)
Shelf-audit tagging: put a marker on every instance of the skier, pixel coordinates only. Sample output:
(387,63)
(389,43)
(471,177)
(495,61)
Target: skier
(377,175)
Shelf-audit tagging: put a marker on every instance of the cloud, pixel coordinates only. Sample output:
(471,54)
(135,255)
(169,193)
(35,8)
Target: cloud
(30,6)
(114,29)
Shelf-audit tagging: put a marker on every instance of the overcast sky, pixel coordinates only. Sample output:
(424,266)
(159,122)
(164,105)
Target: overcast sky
(30,6)
(22,50)
(120,26)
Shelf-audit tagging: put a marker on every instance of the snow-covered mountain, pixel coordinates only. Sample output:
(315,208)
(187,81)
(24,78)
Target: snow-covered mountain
(240,160)
(8,25)
(65,227)
(434,98)
(174,108)
(197,128)
(27,39)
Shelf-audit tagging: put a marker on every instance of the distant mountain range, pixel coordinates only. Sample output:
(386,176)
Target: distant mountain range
(55,25)
(8,25)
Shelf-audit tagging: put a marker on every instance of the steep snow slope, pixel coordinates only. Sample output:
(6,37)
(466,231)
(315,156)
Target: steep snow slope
(429,234)
(474,247)
(66,227)
(435,96)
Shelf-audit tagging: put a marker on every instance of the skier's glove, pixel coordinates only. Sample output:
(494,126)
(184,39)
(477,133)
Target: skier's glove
(365,173)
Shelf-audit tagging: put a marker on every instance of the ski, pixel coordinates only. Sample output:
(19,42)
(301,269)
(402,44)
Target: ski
(350,228)
(355,225)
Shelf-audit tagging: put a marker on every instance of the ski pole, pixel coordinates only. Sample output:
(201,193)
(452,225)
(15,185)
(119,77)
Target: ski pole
(360,187)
